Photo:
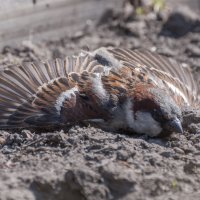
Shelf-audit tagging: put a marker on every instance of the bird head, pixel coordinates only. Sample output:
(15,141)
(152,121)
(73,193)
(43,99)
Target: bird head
(154,111)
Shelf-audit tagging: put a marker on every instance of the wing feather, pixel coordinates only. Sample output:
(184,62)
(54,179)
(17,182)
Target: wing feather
(168,73)
(28,93)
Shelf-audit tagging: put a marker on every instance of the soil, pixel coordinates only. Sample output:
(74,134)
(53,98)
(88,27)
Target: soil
(88,163)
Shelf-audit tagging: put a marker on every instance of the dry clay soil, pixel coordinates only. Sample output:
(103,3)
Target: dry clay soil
(88,163)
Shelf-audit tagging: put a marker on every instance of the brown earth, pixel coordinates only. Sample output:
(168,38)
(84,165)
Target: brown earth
(88,163)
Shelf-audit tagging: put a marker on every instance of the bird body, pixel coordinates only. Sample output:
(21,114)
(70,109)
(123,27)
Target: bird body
(110,87)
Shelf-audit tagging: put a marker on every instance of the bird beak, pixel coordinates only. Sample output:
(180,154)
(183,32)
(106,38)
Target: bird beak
(175,126)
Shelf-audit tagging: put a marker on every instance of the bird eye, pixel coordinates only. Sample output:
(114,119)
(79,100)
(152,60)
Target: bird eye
(157,115)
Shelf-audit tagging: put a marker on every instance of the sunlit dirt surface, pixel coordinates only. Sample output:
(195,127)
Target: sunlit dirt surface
(88,163)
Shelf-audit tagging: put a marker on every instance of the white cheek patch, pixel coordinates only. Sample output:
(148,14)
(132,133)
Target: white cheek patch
(144,122)
(63,96)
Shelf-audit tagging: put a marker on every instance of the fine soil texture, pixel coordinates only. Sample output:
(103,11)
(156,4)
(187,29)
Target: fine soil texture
(88,163)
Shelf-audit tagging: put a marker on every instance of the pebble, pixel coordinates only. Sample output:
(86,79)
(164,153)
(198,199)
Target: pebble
(188,148)
(2,140)
(122,155)
(166,154)
(178,150)
(197,146)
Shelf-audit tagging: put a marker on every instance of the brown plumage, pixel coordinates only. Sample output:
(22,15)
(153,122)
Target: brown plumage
(99,87)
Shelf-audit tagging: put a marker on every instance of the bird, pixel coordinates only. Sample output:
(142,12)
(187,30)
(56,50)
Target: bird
(110,88)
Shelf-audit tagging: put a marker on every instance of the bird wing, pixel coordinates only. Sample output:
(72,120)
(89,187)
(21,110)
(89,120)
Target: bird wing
(165,73)
(31,94)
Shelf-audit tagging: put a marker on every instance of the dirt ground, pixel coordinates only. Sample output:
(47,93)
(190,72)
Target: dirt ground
(88,163)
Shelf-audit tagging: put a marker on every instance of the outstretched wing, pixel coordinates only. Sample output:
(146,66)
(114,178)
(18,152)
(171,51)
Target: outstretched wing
(33,94)
(165,73)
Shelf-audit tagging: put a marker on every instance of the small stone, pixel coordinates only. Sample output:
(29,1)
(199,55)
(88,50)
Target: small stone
(122,155)
(195,138)
(27,134)
(174,137)
(190,167)
(193,51)
(14,139)
(166,154)
(189,148)
(144,145)
(194,128)
(7,151)
(2,140)
(72,131)
(197,146)
(178,150)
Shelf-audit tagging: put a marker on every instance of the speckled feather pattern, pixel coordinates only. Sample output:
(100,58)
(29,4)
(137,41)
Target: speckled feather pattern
(92,85)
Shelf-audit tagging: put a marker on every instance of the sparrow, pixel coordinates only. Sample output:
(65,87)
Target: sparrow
(111,88)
